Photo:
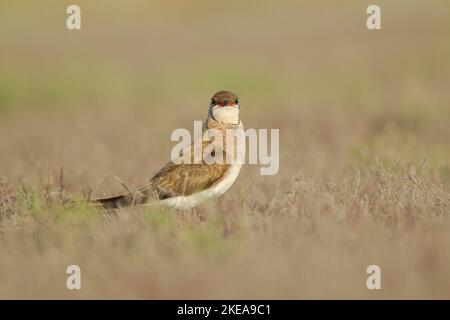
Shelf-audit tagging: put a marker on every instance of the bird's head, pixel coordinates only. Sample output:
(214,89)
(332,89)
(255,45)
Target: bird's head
(224,107)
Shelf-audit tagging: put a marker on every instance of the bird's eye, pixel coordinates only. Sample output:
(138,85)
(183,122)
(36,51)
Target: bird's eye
(236,101)
(213,102)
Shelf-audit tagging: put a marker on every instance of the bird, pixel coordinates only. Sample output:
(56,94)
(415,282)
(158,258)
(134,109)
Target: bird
(185,185)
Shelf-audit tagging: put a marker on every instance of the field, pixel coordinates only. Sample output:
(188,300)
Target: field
(364,119)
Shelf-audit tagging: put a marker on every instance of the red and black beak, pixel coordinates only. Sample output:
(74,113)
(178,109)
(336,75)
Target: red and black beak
(227,103)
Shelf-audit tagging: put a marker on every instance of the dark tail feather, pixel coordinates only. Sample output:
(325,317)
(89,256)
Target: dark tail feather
(115,202)
(122,201)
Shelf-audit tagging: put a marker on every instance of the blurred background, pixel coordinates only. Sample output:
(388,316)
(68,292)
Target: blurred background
(352,105)
(310,68)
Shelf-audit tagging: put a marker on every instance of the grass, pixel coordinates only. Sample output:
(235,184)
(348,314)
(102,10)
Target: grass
(364,159)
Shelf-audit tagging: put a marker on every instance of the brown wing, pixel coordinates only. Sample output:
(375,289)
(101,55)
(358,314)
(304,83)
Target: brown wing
(185,179)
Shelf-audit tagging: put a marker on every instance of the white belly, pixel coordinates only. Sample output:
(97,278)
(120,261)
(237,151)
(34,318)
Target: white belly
(187,202)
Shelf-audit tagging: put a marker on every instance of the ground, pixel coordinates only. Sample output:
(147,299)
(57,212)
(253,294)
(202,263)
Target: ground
(364,176)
